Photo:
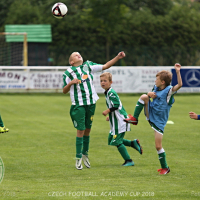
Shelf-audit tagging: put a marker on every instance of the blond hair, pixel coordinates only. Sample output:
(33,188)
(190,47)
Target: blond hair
(107,75)
(165,76)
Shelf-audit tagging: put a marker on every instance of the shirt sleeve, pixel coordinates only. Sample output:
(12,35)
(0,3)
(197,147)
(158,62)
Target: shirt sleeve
(170,95)
(114,101)
(66,80)
(198,117)
(95,67)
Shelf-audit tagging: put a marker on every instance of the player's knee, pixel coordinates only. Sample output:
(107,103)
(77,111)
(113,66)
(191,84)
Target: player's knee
(158,147)
(144,97)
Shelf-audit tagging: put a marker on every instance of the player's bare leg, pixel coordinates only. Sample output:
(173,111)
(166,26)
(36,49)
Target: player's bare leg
(161,153)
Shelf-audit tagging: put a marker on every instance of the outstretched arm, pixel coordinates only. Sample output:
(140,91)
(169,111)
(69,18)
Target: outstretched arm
(177,67)
(114,60)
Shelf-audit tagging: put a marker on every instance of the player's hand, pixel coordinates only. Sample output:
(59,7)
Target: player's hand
(177,67)
(121,55)
(193,115)
(152,95)
(75,81)
(107,118)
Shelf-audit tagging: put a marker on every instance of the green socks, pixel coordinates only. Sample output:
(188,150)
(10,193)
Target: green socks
(162,158)
(86,141)
(82,146)
(1,122)
(127,142)
(138,108)
(79,145)
(123,151)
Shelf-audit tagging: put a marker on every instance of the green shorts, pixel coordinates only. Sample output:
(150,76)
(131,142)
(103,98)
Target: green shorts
(115,140)
(153,126)
(82,116)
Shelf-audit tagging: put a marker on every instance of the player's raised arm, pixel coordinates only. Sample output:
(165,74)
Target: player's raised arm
(114,60)
(177,67)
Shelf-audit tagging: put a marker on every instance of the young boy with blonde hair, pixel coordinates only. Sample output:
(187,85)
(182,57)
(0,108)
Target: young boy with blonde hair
(157,111)
(118,127)
(78,80)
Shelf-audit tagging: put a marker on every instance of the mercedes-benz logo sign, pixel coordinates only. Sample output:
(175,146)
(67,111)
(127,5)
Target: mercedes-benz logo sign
(192,77)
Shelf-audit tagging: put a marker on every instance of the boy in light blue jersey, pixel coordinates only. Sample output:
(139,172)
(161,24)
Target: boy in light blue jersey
(157,111)
(78,80)
(116,117)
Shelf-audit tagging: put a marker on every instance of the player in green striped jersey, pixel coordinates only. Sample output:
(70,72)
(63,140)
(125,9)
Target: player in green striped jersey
(3,129)
(78,80)
(118,127)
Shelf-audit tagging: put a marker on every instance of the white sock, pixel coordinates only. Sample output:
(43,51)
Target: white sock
(161,151)
(141,101)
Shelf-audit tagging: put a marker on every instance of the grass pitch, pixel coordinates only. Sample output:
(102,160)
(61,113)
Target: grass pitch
(39,150)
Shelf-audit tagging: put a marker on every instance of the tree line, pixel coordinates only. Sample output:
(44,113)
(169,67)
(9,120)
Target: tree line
(151,32)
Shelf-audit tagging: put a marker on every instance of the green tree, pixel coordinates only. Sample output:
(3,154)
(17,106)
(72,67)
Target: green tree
(161,30)
(107,17)
(25,12)
(5,7)
(157,7)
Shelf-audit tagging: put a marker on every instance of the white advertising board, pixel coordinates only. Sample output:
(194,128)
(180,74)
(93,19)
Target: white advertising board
(13,79)
(131,79)
(45,80)
(125,79)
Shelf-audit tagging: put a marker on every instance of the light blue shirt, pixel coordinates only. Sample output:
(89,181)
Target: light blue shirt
(160,106)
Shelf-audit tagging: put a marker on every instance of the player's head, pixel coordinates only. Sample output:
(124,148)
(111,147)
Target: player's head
(106,80)
(75,59)
(163,78)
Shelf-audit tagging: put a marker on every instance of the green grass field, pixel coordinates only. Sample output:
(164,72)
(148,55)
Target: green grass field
(39,150)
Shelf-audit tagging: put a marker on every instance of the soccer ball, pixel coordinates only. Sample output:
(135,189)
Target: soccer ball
(59,10)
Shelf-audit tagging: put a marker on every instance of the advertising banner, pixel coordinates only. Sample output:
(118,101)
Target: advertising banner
(46,80)
(13,79)
(125,79)
(131,79)
(190,79)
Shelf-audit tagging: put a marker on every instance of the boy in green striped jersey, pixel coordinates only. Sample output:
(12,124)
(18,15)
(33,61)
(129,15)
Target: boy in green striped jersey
(78,80)
(3,129)
(118,127)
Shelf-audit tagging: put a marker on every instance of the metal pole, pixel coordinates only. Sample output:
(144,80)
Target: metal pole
(25,52)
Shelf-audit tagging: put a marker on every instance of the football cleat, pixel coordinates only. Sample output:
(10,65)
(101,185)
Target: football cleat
(128,163)
(164,170)
(136,145)
(3,129)
(131,120)
(79,163)
(86,160)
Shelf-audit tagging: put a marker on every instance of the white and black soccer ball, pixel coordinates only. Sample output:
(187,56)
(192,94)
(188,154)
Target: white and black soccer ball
(59,10)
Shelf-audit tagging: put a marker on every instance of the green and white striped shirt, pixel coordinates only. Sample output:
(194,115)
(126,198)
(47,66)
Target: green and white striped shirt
(116,118)
(83,93)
